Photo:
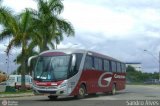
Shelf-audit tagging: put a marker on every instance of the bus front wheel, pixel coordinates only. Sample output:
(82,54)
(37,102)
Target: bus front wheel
(81,92)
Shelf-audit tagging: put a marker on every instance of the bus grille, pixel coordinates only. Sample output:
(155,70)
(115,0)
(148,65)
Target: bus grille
(49,92)
(46,87)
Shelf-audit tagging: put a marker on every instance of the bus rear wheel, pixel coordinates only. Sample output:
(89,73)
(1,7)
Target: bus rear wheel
(52,97)
(113,92)
(81,92)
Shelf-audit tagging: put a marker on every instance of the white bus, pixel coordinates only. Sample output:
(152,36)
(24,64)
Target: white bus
(15,81)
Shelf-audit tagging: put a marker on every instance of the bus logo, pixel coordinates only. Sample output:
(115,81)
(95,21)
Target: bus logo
(119,76)
(108,79)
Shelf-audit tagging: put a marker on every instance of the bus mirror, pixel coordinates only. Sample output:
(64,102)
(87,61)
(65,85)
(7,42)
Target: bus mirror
(30,59)
(73,60)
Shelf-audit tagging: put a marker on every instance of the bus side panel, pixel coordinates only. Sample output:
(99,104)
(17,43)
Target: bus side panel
(119,81)
(91,77)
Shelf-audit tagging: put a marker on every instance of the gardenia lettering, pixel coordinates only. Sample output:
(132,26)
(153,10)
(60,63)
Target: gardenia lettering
(118,76)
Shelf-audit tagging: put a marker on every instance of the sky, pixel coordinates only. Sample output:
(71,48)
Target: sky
(122,29)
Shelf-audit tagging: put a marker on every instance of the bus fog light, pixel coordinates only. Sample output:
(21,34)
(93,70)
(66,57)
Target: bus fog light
(61,92)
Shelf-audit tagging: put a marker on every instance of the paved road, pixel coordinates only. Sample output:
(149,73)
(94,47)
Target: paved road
(122,98)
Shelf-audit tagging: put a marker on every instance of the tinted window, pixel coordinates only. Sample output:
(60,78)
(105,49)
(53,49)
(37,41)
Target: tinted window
(113,64)
(51,68)
(88,62)
(123,67)
(77,65)
(106,65)
(97,63)
(118,67)
(78,60)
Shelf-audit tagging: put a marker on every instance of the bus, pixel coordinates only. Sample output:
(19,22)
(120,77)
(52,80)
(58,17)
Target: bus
(15,81)
(76,72)
(28,82)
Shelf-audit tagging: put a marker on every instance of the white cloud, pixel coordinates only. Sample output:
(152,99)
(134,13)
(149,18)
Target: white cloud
(19,5)
(150,15)
(2,48)
(97,19)
(69,45)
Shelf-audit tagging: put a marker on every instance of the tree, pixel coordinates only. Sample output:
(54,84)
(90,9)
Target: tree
(138,76)
(19,28)
(19,60)
(31,28)
(130,69)
(50,28)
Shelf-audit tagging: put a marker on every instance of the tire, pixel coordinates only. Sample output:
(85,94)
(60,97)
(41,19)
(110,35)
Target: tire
(113,92)
(81,92)
(53,97)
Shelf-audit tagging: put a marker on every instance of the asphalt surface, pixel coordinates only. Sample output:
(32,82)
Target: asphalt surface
(133,95)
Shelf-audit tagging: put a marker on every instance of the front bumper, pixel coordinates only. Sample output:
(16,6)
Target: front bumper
(58,91)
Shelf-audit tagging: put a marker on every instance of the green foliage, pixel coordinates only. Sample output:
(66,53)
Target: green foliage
(10,89)
(42,28)
(20,30)
(49,26)
(138,76)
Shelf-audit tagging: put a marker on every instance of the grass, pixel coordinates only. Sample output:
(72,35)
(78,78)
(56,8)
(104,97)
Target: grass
(17,92)
(138,83)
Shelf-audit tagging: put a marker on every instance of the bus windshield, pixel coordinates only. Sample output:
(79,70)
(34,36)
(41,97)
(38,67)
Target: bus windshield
(52,68)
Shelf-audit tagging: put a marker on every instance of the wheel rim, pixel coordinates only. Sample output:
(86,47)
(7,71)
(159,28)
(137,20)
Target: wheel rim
(81,91)
(113,91)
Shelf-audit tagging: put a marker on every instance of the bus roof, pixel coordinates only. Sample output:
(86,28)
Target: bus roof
(70,51)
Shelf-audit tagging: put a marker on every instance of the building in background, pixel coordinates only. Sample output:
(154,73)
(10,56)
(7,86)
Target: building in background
(136,65)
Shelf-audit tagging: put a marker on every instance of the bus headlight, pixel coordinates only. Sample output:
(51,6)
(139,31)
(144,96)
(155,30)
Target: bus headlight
(64,84)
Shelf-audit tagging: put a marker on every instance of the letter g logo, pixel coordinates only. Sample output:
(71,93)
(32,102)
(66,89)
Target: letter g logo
(108,79)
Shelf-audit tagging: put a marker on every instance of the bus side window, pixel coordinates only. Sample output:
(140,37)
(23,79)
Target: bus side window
(78,60)
(88,64)
(123,67)
(98,63)
(118,67)
(106,65)
(113,65)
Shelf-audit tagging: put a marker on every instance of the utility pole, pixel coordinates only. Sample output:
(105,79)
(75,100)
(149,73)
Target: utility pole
(7,63)
(159,66)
